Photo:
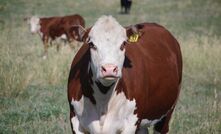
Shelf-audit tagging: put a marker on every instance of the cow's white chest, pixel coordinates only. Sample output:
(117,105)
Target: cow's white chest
(116,115)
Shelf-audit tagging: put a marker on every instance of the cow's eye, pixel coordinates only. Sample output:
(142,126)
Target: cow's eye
(122,47)
(91,45)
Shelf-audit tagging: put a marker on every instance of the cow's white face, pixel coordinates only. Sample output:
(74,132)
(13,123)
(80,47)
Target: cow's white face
(34,24)
(106,39)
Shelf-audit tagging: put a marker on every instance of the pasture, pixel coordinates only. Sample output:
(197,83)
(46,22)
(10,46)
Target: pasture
(33,97)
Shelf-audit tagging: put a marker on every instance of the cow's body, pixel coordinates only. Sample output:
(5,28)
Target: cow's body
(125,6)
(52,28)
(144,95)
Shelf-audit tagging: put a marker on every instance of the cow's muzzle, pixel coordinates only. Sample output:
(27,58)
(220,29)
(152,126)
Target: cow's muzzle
(109,71)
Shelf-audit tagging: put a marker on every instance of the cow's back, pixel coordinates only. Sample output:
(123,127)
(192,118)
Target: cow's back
(152,71)
(73,20)
(46,23)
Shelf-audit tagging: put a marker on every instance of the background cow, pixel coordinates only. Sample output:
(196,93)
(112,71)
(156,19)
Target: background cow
(52,28)
(125,6)
(124,79)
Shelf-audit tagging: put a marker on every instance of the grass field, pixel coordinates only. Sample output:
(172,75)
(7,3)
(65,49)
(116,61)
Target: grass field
(33,98)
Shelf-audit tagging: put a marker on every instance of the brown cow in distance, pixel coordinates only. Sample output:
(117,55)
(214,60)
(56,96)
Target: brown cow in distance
(123,80)
(51,28)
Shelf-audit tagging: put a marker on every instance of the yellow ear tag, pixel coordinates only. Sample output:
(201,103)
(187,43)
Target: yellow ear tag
(133,38)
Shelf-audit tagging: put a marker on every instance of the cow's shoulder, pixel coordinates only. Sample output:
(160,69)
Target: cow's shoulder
(80,76)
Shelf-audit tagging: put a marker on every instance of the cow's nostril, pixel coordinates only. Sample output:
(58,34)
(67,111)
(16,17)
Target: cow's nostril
(103,69)
(115,69)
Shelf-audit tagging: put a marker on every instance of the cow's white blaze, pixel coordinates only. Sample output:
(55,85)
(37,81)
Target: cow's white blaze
(107,35)
(34,24)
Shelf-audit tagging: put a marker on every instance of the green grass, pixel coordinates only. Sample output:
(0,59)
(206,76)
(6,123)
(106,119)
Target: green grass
(33,97)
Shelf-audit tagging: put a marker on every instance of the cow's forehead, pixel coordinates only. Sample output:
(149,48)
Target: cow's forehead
(34,19)
(107,29)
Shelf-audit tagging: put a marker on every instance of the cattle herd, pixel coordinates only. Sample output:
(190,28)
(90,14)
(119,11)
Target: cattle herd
(60,27)
(123,79)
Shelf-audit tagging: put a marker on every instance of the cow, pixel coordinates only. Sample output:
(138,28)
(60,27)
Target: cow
(52,28)
(124,79)
(125,6)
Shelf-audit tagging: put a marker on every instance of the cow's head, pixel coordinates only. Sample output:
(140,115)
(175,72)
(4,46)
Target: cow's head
(107,40)
(34,23)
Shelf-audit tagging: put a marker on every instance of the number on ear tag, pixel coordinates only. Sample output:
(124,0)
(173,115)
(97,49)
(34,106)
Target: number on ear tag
(133,38)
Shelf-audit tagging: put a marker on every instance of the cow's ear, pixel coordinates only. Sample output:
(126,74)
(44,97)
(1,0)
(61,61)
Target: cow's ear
(134,32)
(79,33)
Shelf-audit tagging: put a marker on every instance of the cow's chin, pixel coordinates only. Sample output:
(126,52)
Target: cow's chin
(108,80)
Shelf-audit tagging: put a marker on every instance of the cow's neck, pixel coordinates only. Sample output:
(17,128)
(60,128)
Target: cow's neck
(102,95)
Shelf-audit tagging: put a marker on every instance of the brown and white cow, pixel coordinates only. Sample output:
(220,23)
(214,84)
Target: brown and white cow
(123,85)
(52,28)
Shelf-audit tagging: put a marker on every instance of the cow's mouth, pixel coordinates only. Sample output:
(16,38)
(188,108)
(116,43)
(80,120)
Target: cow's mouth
(110,77)
(108,80)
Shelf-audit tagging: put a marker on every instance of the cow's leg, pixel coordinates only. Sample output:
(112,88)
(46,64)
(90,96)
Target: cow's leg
(129,6)
(126,8)
(58,46)
(122,6)
(75,124)
(162,127)
(45,42)
(70,40)
(51,43)
(72,44)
